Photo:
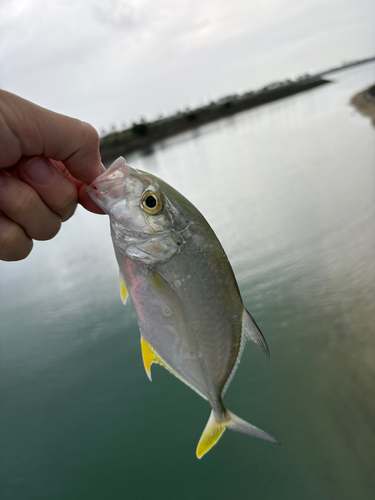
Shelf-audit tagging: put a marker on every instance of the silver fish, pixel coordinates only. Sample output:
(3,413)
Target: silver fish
(189,309)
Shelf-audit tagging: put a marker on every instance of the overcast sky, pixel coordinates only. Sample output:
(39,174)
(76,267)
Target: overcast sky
(114,61)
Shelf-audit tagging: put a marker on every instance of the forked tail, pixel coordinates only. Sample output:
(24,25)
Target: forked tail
(215,428)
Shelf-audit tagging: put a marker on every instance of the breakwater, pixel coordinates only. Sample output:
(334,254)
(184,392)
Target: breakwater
(143,135)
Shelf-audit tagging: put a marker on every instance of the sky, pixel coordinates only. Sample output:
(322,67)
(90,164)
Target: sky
(114,62)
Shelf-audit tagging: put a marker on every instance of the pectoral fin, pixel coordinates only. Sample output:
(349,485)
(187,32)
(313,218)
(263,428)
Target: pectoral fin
(123,291)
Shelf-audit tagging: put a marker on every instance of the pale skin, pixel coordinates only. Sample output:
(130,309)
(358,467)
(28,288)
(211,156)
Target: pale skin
(45,160)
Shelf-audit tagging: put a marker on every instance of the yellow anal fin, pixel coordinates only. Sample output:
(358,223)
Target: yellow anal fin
(211,435)
(149,356)
(123,291)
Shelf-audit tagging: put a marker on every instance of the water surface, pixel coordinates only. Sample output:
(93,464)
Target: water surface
(289,188)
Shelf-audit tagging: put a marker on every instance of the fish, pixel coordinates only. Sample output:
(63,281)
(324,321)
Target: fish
(188,305)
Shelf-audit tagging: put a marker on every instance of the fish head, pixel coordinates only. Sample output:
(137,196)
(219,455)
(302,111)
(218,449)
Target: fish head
(145,223)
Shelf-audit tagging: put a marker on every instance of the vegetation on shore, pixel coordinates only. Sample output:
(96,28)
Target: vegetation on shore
(143,134)
(348,64)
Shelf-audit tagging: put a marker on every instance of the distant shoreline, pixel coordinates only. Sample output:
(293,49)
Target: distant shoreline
(365,103)
(143,135)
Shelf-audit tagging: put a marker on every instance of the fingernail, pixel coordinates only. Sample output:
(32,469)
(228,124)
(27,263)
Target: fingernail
(39,170)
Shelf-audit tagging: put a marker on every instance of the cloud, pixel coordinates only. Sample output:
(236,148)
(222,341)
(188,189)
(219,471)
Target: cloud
(118,60)
(118,13)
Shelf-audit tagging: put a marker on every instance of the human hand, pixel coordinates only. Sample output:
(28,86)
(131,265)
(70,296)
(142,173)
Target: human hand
(45,159)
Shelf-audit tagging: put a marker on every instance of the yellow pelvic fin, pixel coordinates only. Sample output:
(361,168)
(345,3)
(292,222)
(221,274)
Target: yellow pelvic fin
(211,435)
(149,356)
(123,291)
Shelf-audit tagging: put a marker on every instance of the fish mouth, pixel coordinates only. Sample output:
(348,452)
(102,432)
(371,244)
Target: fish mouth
(108,188)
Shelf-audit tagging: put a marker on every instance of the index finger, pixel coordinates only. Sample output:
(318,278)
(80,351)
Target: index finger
(30,130)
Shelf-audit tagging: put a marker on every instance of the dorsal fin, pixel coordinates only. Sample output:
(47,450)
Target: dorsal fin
(251,332)
(123,291)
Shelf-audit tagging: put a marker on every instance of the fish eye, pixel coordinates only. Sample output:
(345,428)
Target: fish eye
(151,203)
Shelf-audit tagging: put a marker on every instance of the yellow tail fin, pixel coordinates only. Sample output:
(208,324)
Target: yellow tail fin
(215,428)
(211,435)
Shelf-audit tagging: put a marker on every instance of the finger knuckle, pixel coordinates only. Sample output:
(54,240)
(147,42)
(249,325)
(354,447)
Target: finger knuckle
(69,214)
(67,199)
(9,235)
(91,134)
(24,251)
(14,244)
(24,201)
(49,230)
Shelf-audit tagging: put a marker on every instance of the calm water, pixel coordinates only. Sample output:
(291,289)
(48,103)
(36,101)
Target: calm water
(290,190)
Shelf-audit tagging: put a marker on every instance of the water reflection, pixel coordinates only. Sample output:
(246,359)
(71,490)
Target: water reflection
(289,189)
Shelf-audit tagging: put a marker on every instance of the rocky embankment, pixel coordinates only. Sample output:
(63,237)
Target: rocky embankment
(143,135)
(365,102)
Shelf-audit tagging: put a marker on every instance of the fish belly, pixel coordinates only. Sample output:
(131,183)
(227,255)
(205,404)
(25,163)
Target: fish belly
(189,310)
